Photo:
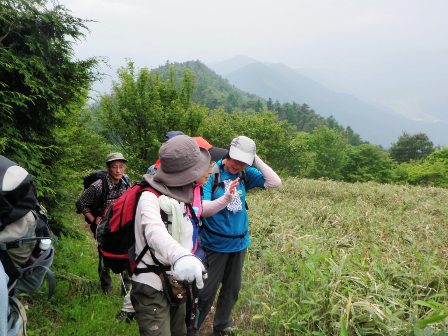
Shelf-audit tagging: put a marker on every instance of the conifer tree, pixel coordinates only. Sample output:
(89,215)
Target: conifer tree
(40,80)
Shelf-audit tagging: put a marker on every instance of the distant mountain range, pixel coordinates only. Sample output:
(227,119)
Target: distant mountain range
(279,82)
(215,92)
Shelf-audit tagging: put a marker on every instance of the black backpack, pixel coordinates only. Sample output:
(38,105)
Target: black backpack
(92,177)
(17,199)
(99,207)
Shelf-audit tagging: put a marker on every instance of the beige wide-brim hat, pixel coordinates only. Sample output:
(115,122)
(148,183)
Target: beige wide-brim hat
(181,162)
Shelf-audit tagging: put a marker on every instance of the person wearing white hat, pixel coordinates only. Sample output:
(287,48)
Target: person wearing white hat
(225,233)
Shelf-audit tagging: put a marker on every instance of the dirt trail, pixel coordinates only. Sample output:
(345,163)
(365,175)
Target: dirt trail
(207,325)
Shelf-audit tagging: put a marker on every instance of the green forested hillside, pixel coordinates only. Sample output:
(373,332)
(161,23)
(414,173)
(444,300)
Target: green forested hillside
(211,89)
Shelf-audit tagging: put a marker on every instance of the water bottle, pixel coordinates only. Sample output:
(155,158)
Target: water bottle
(44,245)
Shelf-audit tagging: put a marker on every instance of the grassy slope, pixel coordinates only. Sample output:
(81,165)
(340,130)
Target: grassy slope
(326,258)
(329,254)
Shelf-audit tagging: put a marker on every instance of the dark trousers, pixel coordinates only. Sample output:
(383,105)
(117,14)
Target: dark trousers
(104,273)
(103,270)
(155,316)
(225,269)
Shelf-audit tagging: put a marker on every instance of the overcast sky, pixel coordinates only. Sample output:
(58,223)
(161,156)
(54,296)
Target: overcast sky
(390,52)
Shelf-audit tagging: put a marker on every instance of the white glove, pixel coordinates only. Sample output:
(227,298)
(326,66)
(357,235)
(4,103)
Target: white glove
(189,268)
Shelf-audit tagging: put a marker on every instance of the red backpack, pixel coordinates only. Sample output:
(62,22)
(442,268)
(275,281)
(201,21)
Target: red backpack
(115,233)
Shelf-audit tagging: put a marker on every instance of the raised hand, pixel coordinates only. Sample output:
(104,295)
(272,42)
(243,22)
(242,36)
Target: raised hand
(232,186)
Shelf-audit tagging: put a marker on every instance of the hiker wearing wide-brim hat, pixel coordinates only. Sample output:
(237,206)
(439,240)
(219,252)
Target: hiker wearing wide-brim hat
(195,211)
(181,163)
(225,233)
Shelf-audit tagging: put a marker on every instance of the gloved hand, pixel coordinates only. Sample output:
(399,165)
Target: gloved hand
(189,268)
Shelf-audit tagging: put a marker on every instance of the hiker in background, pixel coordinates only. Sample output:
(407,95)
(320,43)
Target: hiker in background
(170,134)
(225,234)
(181,163)
(97,197)
(216,153)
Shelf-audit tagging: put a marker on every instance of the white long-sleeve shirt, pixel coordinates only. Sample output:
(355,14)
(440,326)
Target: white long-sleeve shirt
(149,226)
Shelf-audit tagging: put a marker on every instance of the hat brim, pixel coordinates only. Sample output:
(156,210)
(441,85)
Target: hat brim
(239,155)
(182,194)
(124,160)
(218,153)
(187,176)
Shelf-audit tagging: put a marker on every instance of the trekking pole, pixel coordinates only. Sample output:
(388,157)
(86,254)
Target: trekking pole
(194,317)
(123,286)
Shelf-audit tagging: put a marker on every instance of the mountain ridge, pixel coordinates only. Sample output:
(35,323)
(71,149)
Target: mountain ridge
(280,82)
(214,91)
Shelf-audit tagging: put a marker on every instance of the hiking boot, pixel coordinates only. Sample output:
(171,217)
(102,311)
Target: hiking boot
(126,316)
(229,331)
(105,279)
(106,290)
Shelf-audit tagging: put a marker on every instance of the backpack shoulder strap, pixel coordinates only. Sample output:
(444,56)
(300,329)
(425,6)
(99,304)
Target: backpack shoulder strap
(216,177)
(244,180)
(243,177)
(158,268)
(193,214)
(126,180)
(104,190)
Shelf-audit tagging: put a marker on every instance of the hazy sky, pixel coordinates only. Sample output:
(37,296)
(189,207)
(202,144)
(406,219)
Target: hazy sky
(390,52)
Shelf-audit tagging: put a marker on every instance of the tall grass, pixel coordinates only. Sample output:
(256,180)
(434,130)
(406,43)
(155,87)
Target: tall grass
(327,258)
(331,258)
